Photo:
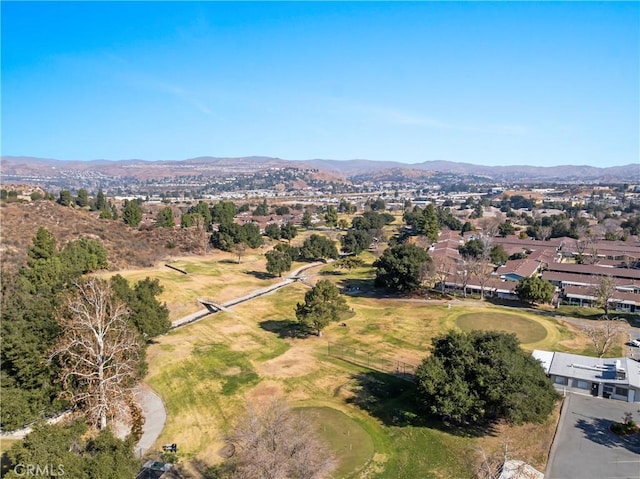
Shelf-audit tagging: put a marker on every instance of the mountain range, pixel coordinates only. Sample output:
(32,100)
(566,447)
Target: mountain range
(18,166)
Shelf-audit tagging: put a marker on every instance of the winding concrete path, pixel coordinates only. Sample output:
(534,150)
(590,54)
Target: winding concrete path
(155,414)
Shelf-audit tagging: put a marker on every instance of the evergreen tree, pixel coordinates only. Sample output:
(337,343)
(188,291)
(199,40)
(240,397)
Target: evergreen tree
(165,218)
(101,202)
(65,198)
(43,247)
(356,241)
(430,227)
(262,209)
(331,217)
(83,198)
(131,213)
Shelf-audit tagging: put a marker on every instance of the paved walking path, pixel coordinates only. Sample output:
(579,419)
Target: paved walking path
(154,412)
(22,433)
(289,279)
(155,416)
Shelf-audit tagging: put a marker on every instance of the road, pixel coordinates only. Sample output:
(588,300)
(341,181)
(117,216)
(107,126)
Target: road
(585,448)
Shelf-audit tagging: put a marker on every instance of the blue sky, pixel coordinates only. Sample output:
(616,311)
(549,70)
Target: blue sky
(487,83)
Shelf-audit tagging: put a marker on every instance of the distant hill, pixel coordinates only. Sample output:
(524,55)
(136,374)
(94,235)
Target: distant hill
(564,172)
(214,166)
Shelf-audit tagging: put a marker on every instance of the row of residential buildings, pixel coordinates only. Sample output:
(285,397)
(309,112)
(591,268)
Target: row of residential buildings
(554,261)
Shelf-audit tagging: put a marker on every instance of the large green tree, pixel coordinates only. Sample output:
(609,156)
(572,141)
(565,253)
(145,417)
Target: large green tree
(356,241)
(481,377)
(322,305)
(201,209)
(535,290)
(101,201)
(229,235)
(43,246)
(400,267)
(65,198)
(498,254)
(371,220)
(222,212)
(317,247)
(30,296)
(307,221)
(278,262)
(429,225)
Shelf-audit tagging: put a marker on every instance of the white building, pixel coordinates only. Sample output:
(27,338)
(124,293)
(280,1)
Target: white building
(615,378)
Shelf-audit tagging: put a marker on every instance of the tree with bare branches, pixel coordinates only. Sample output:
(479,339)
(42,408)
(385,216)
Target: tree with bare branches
(98,351)
(604,292)
(481,268)
(463,275)
(442,268)
(602,336)
(544,233)
(272,441)
(239,249)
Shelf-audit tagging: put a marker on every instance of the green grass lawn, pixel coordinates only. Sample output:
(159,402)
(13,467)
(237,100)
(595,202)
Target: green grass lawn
(350,443)
(527,330)
(206,371)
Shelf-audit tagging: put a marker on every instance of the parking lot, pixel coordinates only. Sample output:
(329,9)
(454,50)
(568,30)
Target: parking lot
(584,446)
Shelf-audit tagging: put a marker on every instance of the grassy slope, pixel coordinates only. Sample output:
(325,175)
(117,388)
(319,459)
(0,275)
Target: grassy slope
(205,371)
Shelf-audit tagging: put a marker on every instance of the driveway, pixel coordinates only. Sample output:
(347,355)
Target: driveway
(585,448)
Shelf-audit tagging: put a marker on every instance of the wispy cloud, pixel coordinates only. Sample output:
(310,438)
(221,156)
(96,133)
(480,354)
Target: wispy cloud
(402,117)
(145,81)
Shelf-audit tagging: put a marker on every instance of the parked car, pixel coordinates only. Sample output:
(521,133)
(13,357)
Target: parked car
(635,342)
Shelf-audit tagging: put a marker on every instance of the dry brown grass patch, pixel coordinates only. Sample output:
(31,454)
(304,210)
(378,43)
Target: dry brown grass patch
(529,442)
(297,361)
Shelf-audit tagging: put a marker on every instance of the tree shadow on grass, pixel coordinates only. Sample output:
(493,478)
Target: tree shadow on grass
(598,430)
(364,288)
(5,464)
(228,261)
(260,274)
(284,328)
(393,400)
(332,273)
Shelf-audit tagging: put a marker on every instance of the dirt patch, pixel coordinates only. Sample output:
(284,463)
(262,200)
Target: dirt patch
(231,371)
(297,361)
(265,391)
(578,340)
